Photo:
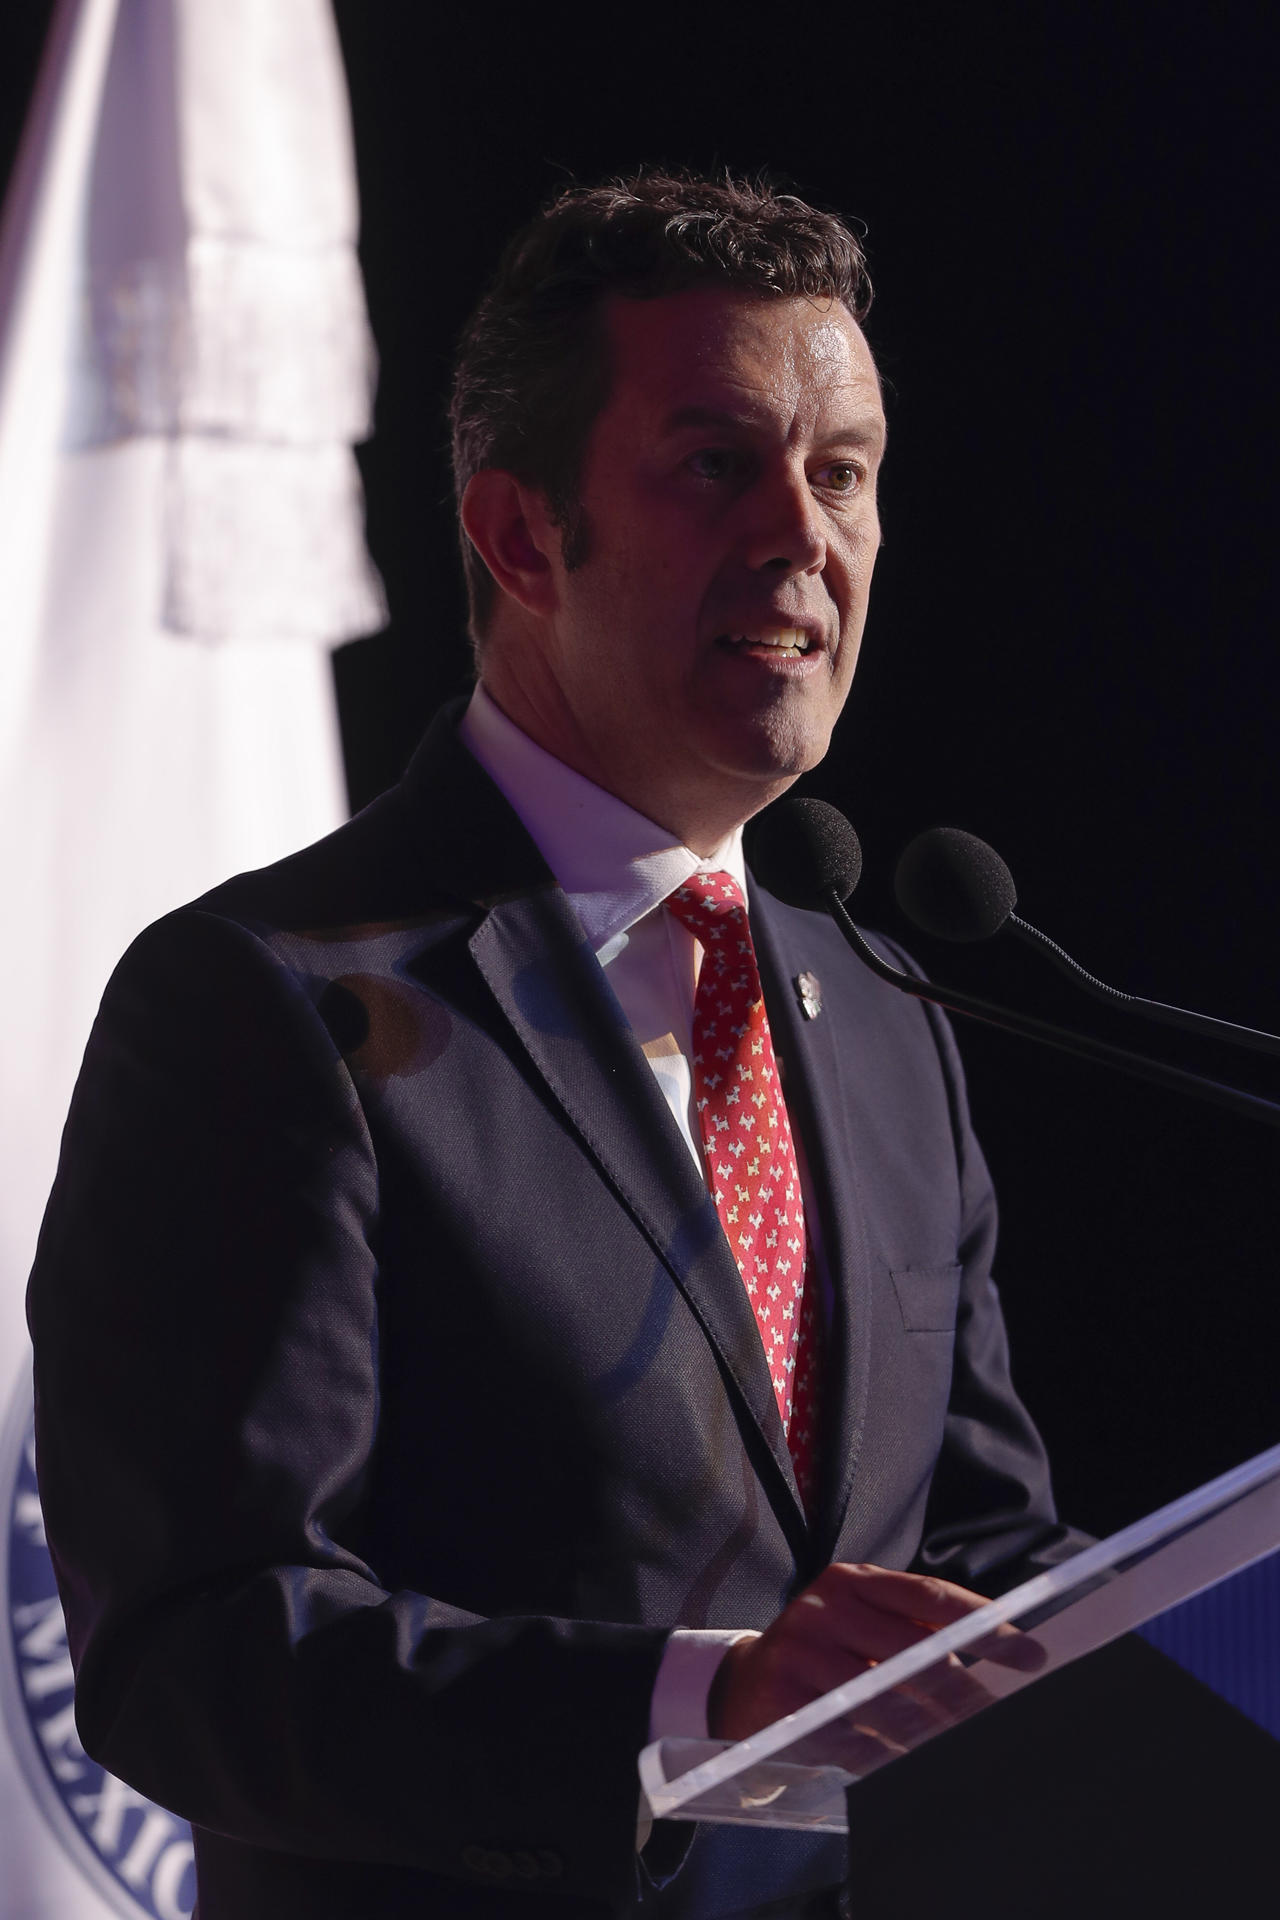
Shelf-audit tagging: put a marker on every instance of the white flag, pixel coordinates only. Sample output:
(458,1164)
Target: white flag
(184,366)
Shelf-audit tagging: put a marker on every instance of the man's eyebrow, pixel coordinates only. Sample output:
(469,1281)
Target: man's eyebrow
(866,428)
(710,417)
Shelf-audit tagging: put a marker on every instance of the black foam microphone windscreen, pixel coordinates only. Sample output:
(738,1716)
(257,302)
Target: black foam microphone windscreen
(802,849)
(954,886)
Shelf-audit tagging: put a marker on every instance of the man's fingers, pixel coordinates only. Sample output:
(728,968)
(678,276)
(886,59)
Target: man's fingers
(854,1626)
(914,1596)
(896,1722)
(855,1749)
(950,1689)
(1009,1647)
(852,1617)
(850,1592)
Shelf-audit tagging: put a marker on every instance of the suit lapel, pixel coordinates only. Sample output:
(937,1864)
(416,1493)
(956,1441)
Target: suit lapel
(818,1106)
(532,953)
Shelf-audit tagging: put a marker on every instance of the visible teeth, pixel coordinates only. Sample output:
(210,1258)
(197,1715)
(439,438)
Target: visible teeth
(780,639)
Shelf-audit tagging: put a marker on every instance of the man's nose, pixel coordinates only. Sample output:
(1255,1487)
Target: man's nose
(788,534)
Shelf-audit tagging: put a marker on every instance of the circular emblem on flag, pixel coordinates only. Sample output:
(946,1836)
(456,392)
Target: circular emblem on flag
(136,1855)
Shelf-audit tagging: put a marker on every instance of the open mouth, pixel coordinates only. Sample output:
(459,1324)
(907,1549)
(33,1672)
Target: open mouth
(788,643)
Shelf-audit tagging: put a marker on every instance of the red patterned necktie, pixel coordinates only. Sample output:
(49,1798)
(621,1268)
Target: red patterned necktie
(751,1157)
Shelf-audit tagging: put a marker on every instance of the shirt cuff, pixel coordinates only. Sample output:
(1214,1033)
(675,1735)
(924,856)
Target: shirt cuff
(678,1707)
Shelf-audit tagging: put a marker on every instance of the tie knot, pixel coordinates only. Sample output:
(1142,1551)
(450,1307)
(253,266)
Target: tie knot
(708,899)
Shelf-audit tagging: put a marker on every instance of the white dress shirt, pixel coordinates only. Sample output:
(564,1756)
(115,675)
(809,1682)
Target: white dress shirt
(617,868)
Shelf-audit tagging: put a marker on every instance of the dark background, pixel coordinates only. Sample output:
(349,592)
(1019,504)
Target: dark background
(1071,221)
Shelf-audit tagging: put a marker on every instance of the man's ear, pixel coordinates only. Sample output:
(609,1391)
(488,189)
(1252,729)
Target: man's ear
(511,529)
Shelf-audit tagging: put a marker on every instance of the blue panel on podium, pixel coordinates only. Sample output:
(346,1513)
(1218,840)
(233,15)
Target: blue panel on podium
(1229,1637)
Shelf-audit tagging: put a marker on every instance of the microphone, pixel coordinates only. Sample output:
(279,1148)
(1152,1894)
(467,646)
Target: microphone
(804,851)
(953,886)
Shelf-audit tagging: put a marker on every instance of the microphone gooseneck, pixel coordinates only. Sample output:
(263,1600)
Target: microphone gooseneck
(1138,1066)
(953,886)
(804,852)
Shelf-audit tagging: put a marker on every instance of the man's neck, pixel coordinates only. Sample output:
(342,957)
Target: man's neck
(700,819)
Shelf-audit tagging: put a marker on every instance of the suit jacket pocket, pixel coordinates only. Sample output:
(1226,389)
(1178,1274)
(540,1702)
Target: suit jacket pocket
(927,1297)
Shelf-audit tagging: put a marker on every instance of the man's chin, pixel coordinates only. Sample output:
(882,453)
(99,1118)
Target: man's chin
(775,750)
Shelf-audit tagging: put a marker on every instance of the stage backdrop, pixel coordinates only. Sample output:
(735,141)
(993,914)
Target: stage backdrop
(184,366)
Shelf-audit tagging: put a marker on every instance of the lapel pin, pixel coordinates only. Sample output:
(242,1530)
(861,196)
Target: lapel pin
(809,993)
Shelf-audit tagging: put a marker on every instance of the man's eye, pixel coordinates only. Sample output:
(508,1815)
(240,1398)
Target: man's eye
(716,463)
(840,476)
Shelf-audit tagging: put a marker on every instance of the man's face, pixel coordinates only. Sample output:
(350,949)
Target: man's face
(697,659)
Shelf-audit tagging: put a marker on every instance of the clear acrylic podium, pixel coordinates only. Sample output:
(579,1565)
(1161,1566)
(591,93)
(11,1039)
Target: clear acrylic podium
(804,1771)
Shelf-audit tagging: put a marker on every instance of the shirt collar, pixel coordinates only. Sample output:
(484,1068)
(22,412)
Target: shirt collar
(614,864)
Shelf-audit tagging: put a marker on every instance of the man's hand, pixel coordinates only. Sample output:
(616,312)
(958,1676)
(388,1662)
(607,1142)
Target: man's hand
(851,1618)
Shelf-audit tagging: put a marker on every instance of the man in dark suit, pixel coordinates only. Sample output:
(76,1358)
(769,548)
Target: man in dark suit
(413,1445)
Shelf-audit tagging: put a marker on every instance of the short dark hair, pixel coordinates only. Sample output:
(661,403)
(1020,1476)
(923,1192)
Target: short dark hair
(532,370)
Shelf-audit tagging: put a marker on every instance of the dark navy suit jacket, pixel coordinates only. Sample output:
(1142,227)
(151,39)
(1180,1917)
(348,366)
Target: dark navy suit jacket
(397,1390)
